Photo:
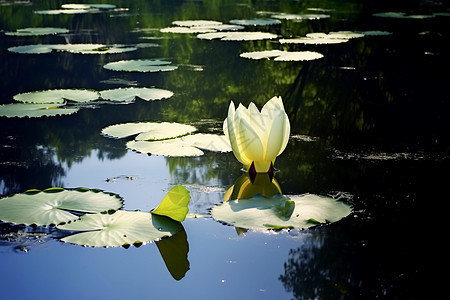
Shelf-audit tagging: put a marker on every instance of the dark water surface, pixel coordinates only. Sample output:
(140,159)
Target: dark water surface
(370,123)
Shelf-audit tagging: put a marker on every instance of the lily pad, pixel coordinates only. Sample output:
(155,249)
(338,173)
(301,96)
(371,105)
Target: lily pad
(300,211)
(141,65)
(57,96)
(191,145)
(123,228)
(175,204)
(148,130)
(298,17)
(130,94)
(61,11)
(195,29)
(283,55)
(72,48)
(237,36)
(196,23)
(256,22)
(33,31)
(55,205)
(21,110)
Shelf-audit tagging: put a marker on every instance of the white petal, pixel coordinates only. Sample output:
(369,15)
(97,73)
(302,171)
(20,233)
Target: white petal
(250,142)
(275,137)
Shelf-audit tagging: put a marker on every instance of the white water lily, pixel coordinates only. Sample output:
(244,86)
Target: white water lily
(257,137)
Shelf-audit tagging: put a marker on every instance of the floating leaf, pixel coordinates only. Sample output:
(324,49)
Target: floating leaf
(141,65)
(191,145)
(401,15)
(152,130)
(196,23)
(37,31)
(57,96)
(122,228)
(256,22)
(61,11)
(175,204)
(195,29)
(21,110)
(283,55)
(237,36)
(55,205)
(298,17)
(72,48)
(281,211)
(130,94)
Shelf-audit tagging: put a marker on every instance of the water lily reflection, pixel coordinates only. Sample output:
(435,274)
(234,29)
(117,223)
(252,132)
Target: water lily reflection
(247,186)
(257,137)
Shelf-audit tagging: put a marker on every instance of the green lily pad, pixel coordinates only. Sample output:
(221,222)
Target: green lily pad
(130,94)
(196,23)
(195,29)
(237,36)
(21,110)
(175,204)
(149,130)
(57,96)
(190,145)
(300,211)
(72,48)
(298,17)
(61,11)
(32,31)
(141,65)
(122,228)
(283,55)
(55,205)
(256,22)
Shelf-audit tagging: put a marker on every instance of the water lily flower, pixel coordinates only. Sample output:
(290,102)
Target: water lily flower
(257,137)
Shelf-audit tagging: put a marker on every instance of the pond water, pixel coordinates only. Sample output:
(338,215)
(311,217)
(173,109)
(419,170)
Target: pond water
(369,124)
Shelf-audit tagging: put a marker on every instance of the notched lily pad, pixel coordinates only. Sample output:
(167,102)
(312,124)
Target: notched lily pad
(36,31)
(237,36)
(57,96)
(21,110)
(130,94)
(122,228)
(148,130)
(190,145)
(55,205)
(141,65)
(300,211)
(279,55)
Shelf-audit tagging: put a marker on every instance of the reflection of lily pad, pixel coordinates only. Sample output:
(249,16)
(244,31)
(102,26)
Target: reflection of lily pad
(55,205)
(37,31)
(148,130)
(302,211)
(256,22)
(57,96)
(21,110)
(129,94)
(123,228)
(283,55)
(141,65)
(237,36)
(191,145)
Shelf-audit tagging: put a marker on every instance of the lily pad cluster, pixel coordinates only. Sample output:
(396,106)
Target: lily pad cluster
(94,217)
(167,139)
(69,101)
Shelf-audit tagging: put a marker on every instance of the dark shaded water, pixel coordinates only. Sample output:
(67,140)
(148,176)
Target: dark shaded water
(370,121)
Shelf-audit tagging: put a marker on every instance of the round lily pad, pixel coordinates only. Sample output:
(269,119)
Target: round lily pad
(72,48)
(237,36)
(55,205)
(283,55)
(195,29)
(21,110)
(256,22)
(130,94)
(191,145)
(196,23)
(141,65)
(300,211)
(37,31)
(57,96)
(123,228)
(148,130)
